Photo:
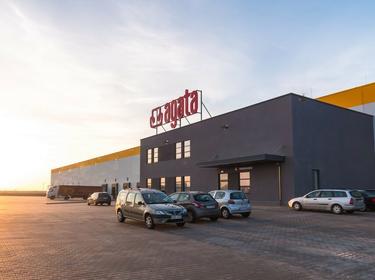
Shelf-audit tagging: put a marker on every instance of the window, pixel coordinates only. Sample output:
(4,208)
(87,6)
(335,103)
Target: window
(326,194)
(174,196)
(313,194)
(237,195)
(178,184)
(149,156)
(223,181)
(187,183)
(245,181)
(203,197)
(219,195)
(162,184)
(187,149)
(149,183)
(178,150)
(184,197)
(156,155)
(138,198)
(130,198)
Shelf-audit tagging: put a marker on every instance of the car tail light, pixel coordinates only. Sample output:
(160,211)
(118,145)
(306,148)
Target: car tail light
(231,201)
(198,205)
(373,199)
(351,202)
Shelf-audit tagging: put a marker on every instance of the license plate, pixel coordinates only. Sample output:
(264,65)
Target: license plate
(176,217)
(210,206)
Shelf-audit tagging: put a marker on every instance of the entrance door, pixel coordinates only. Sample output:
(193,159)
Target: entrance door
(245,181)
(223,181)
(114,190)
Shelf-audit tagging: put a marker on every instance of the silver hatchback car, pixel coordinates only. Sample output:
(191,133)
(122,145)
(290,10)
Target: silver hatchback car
(334,200)
(232,202)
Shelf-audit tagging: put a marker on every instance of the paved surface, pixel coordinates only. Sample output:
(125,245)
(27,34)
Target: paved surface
(75,241)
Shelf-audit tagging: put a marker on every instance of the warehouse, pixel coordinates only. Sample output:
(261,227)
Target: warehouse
(113,172)
(273,150)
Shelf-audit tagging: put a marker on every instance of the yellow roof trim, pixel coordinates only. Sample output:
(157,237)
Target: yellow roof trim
(351,97)
(118,155)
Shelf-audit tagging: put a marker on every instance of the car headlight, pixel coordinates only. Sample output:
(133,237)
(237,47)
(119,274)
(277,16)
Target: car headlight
(160,212)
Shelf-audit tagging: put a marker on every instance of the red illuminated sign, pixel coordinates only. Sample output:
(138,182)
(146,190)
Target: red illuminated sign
(175,110)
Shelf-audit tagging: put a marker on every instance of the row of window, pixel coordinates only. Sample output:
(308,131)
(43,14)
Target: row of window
(183,150)
(244,181)
(182,183)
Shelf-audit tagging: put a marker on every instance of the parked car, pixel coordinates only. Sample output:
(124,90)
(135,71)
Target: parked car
(232,202)
(334,200)
(150,206)
(369,199)
(198,205)
(99,198)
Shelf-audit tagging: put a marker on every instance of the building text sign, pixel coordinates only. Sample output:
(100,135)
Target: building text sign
(175,110)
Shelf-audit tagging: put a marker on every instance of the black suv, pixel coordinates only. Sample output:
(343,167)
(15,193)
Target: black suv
(150,206)
(99,198)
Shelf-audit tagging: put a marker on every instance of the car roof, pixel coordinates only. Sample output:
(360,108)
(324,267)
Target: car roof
(342,190)
(142,190)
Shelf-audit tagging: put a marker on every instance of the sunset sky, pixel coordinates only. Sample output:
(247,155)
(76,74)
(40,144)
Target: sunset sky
(78,79)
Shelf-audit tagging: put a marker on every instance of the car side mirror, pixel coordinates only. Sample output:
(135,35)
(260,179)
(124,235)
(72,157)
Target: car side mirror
(140,203)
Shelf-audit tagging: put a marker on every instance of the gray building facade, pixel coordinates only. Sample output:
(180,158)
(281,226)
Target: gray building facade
(273,150)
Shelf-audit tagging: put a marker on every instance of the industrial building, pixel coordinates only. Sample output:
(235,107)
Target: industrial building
(273,150)
(113,172)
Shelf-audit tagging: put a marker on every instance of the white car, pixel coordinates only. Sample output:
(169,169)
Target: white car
(335,200)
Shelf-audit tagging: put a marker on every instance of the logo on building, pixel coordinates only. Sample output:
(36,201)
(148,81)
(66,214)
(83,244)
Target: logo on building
(175,110)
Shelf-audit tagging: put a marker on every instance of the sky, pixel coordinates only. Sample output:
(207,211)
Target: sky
(78,79)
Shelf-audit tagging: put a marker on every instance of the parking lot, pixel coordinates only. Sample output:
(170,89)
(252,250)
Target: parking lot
(75,241)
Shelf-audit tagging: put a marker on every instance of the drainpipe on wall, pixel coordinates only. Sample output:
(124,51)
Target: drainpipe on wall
(279,182)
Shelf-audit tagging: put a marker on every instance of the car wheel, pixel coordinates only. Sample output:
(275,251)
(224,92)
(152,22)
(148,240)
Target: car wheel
(149,222)
(214,219)
(66,198)
(180,224)
(363,209)
(88,203)
(245,215)
(191,216)
(225,213)
(120,216)
(336,209)
(297,206)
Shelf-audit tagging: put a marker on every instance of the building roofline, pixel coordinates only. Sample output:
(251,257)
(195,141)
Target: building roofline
(259,103)
(352,97)
(101,159)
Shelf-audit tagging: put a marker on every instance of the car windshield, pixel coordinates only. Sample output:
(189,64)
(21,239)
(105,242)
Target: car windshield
(203,197)
(156,198)
(237,195)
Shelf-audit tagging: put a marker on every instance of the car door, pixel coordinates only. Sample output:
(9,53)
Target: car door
(128,211)
(310,201)
(139,207)
(324,200)
(220,197)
